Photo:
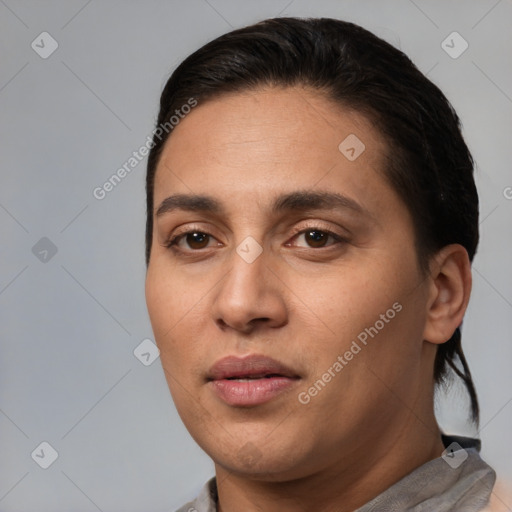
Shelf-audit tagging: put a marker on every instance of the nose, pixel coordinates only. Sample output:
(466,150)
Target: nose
(250,296)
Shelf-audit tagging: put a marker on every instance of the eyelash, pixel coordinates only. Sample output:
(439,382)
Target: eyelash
(173,241)
(337,238)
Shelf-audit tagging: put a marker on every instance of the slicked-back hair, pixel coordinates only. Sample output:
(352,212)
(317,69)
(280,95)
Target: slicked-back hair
(428,163)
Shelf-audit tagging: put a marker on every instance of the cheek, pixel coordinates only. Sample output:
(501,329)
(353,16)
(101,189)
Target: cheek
(379,306)
(159,302)
(177,307)
(171,297)
(165,310)
(167,305)
(348,300)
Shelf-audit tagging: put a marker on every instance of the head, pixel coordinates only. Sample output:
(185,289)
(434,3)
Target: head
(346,168)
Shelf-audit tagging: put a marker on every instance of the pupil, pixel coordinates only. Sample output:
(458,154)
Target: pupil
(316,238)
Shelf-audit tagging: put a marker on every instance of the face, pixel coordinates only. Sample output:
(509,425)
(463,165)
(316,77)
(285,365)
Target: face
(283,286)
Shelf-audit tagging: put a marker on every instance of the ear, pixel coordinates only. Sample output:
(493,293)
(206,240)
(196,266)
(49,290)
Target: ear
(450,288)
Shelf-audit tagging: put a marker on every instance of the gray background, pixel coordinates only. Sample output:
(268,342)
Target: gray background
(70,323)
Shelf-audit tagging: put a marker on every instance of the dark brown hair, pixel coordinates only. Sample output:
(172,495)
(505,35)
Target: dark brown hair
(429,164)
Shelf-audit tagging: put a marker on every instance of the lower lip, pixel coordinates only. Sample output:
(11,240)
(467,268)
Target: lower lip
(253,392)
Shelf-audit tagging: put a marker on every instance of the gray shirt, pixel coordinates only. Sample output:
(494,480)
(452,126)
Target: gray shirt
(459,481)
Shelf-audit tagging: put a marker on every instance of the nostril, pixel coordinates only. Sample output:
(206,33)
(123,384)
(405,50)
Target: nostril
(259,320)
(221,323)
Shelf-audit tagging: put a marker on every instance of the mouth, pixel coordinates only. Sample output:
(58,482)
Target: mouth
(248,378)
(250,381)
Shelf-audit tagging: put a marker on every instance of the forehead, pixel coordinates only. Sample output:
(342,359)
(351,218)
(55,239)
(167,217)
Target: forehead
(271,139)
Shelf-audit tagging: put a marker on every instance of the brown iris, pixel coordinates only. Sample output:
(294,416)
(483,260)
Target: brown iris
(197,240)
(316,238)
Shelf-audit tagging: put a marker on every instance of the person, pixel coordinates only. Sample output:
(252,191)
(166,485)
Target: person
(311,221)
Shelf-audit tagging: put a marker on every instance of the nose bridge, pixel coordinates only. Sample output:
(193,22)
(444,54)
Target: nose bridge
(247,266)
(247,293)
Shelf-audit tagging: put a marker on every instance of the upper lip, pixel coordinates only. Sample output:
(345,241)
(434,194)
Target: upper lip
(249,366)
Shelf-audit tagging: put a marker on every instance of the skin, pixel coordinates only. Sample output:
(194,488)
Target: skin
(299,303)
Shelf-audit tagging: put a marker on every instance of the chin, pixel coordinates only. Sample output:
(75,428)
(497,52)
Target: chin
(276,460)
(266,468)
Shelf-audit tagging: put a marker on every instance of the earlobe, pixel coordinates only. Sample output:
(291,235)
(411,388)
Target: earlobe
(450,277)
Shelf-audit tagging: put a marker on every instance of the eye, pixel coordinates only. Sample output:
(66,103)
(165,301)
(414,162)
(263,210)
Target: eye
(317,238)
(191,240)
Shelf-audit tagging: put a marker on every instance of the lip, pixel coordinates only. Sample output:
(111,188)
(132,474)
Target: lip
(268,379)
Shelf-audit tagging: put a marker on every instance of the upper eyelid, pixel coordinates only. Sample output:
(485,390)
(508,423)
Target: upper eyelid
(320,225)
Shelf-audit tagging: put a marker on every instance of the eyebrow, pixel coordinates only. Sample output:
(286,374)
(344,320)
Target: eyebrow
(293,201)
